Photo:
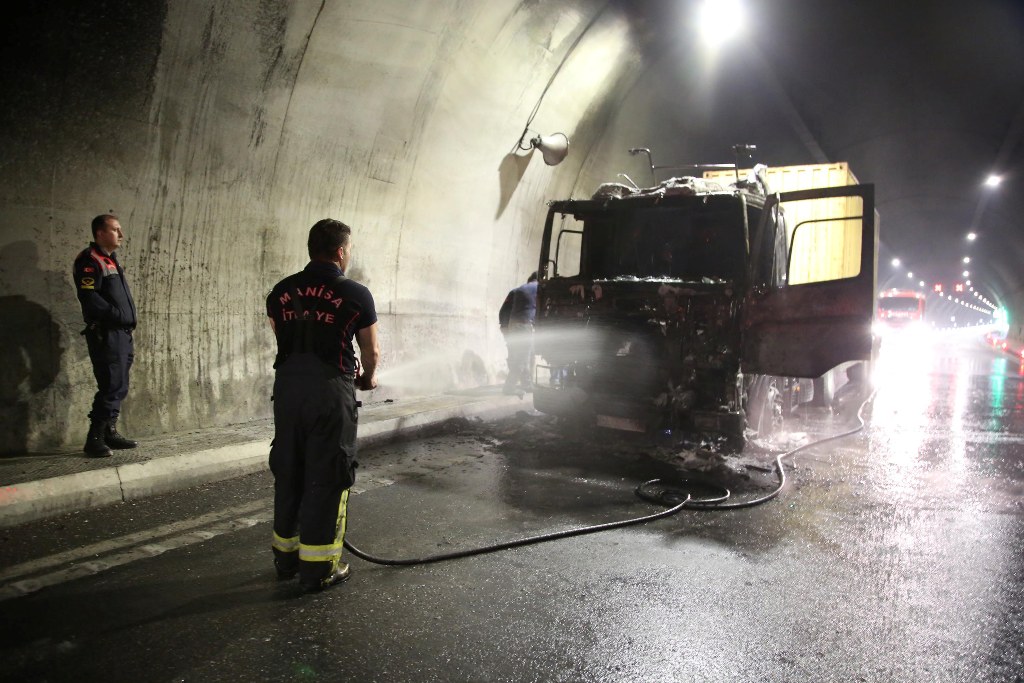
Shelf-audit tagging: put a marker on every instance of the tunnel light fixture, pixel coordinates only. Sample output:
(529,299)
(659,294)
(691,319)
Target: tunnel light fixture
(720,21)
(971,236)
(967,259)
(554,148)
(993,180)
(967,273)
(895,263)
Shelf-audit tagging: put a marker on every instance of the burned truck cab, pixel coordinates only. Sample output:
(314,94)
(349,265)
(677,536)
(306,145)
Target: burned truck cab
(649,313)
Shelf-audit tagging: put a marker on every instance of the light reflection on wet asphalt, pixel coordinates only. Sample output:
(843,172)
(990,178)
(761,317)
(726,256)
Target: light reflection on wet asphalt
(892,555)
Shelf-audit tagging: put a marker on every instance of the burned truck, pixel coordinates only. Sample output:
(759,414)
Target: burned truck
(703,306)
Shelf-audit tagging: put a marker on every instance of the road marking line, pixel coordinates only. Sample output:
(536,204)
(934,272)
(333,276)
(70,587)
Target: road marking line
(149,543)
(113,544)
(93,567)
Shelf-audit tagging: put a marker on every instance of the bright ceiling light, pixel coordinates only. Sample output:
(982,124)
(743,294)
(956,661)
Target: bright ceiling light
(895,263)
(967,259)
(971,236)
(993,180)
(910,275)
(921,283)
(967,273)
(720,20)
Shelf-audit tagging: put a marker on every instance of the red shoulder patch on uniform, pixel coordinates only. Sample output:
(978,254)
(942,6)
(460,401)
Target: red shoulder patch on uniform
(105,264)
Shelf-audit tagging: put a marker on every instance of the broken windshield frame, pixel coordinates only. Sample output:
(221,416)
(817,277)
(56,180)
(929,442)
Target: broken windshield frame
(693,239)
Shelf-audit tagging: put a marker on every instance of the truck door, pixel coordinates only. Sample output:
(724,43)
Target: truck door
(820,314)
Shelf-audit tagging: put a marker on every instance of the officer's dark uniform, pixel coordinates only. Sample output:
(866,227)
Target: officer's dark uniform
(316,313)
(110,317)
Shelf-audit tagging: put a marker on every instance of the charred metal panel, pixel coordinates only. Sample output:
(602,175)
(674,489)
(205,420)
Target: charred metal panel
(649,351)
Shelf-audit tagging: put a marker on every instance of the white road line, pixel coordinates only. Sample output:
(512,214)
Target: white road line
(77,571)
(113,544)
(92,559)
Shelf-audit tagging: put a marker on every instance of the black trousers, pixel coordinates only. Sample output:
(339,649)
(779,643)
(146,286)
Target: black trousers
(313,459)
(112,353)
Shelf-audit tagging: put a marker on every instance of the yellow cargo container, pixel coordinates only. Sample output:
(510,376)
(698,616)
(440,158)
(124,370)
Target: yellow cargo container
(834,253)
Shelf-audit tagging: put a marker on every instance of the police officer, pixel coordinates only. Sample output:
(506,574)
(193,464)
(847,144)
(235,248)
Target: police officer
(110,317)
(315,313)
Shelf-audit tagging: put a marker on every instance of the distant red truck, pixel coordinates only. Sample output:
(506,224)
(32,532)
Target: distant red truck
(900,308)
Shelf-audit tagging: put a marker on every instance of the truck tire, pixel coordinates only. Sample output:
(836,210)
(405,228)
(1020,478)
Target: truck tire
(765,405)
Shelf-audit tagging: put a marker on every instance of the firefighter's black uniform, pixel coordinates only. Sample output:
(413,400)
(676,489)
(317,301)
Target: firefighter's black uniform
(316,313)
(110,317)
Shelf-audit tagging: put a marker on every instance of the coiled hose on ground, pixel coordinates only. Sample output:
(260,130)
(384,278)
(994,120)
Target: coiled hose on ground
(672,496)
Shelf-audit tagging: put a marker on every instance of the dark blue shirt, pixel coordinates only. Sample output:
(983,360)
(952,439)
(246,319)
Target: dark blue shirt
(317,311)
(524,303)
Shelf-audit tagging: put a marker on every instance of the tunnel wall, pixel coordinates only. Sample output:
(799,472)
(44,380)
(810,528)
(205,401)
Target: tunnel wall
(220,131)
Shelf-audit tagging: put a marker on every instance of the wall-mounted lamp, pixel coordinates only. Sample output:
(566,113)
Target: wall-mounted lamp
(554,148)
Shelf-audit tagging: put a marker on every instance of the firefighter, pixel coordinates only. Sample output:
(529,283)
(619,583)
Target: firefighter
(110,317)
(314,314)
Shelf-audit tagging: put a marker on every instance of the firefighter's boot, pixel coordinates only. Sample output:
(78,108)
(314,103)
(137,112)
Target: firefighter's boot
(96,444)
(339,575)
(287,568)
(115,439)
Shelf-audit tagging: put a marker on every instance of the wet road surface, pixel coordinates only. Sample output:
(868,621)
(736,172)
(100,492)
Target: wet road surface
(892,555)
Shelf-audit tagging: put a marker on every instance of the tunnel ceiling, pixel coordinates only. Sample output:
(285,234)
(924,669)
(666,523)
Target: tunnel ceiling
(923,99)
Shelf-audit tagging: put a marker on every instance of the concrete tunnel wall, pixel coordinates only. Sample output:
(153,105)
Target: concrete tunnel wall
(220,131)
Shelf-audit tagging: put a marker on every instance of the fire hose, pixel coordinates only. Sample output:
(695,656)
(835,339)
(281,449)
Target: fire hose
(654,491)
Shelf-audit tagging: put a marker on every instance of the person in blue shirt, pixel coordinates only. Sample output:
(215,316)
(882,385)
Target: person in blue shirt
(522,311)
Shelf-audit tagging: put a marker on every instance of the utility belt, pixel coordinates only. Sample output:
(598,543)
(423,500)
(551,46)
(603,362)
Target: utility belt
(308,367)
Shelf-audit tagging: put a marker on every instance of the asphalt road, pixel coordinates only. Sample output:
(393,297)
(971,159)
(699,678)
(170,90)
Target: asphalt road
(894,554)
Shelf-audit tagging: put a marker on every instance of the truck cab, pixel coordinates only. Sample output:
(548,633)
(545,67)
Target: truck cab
(698,306)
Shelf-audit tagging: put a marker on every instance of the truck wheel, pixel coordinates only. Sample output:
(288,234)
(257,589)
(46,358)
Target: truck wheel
(764,407)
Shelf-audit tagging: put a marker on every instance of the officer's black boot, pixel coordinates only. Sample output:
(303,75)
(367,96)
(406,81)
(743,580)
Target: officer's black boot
(95,444)
(115,439)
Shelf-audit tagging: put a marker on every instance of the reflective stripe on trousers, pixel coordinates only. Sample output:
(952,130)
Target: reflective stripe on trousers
(318,553)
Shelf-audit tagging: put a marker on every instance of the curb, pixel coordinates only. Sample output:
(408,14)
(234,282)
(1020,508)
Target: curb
(36,500)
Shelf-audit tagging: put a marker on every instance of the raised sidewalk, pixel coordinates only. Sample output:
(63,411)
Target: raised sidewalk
(37,486)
